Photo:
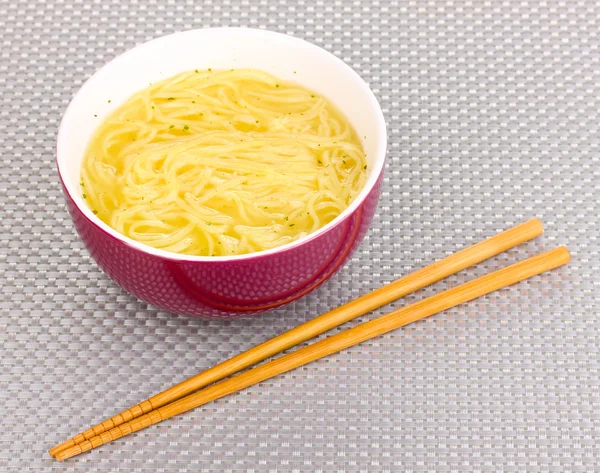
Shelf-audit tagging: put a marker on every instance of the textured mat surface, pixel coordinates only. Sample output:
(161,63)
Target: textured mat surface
(493,118)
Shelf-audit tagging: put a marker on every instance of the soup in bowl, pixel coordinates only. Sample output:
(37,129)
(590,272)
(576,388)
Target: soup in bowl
(223,171)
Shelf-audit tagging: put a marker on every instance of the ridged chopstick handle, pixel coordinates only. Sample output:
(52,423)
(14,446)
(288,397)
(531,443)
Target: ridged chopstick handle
(115,433)
(132,413)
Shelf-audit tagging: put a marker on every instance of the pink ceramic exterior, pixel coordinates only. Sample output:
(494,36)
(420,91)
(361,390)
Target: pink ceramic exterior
(222,288)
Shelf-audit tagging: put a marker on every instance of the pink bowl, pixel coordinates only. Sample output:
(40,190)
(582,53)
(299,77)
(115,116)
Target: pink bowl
(232,285)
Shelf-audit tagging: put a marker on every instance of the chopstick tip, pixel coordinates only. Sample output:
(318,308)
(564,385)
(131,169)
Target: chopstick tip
(61,447)
(68,453)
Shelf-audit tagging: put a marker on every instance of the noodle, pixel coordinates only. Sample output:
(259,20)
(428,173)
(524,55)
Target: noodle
(222,163)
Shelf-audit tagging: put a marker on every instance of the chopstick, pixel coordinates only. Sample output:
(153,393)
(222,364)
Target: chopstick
(321,324)
(335,343)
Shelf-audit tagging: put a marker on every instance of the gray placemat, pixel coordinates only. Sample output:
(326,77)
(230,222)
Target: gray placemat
(493,118)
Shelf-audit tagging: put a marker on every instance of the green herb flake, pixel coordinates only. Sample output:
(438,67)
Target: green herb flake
(312,95)
(109,101)
(171,127)
(95,212)
(84,196)
(319,161)
(171,98)
(344,161)
(185,127)
(82,184)
(365,166)
(292,224)
(208,223)
(193,101)
(196,71)
(95,115)
(209,69)
(286,218)
(276,85)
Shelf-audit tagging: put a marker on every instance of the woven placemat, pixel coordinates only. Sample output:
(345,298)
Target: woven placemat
(492,109)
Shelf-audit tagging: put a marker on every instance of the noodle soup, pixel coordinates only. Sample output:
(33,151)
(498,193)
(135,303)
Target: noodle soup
(216,163)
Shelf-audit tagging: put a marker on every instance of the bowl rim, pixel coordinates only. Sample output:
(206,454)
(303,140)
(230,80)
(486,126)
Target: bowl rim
(372,180)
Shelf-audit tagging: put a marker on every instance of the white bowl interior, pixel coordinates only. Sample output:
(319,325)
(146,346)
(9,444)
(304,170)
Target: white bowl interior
(218,48)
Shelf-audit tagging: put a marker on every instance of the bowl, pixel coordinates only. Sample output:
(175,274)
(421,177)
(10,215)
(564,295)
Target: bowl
(225,285)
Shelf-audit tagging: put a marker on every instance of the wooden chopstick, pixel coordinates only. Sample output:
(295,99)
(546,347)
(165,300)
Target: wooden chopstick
(321,324)
(362,332)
